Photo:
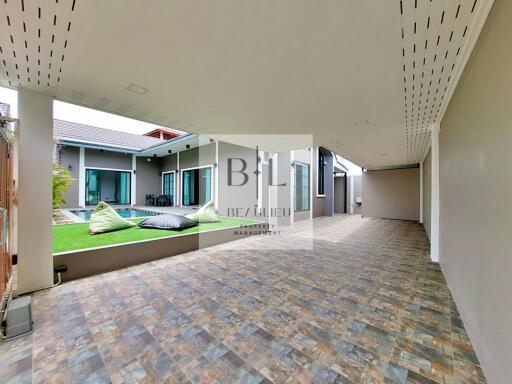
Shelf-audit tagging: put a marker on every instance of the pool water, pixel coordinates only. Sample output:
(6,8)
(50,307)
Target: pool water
(123,212)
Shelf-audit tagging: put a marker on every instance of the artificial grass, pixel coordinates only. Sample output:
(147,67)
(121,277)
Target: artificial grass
(70,237)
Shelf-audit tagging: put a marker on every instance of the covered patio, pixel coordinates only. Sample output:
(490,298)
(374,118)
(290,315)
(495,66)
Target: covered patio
(366,304)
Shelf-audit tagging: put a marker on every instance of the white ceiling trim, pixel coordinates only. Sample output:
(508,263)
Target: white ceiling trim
(483,8)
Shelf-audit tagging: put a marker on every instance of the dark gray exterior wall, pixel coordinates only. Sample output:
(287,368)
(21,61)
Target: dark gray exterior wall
(94,158)
(148,179)
(323,206)
(169,163)
(329,186)
(197,157)
(193,158)
(69,157)
(339,195)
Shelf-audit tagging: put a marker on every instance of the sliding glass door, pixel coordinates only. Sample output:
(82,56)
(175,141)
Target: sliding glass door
(113,187)
(168,185)
(197,186)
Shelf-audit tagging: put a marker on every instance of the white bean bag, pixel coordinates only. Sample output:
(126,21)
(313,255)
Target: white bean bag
(105,219)
(205,214)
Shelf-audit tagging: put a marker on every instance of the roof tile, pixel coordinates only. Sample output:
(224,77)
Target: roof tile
(67,130)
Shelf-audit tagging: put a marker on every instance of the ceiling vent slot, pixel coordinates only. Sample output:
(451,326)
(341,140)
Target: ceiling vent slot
(78,95)
(433,24)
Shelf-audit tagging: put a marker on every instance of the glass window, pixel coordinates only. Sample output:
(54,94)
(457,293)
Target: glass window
(92,186)
(197,186)
(301,192)
(168,185)
(321,173)
(123,187)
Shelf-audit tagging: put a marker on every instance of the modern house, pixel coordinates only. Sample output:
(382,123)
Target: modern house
(399,275)
(124,169)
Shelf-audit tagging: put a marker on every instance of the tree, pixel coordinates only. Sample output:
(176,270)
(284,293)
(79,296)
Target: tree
(62,179)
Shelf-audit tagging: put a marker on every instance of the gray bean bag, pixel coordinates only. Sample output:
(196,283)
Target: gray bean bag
(169,221)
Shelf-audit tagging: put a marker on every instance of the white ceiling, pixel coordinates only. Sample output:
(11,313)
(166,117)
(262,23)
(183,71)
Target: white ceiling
(342,70)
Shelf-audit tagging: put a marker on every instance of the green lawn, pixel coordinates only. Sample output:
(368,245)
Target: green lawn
(69,237)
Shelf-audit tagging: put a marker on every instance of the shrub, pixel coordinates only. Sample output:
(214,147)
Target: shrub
(62,179)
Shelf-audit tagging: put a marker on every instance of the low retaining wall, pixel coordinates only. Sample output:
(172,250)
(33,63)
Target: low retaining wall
(92,261)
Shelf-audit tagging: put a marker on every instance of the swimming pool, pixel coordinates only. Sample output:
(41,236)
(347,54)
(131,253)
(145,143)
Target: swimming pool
(85,214)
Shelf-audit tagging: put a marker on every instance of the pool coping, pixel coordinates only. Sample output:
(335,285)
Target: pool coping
(68,212)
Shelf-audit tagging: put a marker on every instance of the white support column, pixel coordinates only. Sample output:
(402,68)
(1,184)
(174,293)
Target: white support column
(34,197)
(311,182)
(216,174)
(272,192)
(133,193)
(434,213)
(352,199)
(178,180)
(292,187)
(81,178)
(421,192)
(261,155)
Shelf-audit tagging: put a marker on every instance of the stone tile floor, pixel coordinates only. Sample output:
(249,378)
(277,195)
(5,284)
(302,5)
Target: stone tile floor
(365,305)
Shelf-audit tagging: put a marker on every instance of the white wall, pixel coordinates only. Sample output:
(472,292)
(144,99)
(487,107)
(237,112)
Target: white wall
(392,194)
(475,145)
(354,191)
(34,190)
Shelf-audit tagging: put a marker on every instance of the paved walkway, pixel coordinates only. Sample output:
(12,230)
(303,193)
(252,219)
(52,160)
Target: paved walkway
(365,305)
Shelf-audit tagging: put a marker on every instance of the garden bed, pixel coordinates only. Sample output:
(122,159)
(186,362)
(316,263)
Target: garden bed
(85,255)
(72,237)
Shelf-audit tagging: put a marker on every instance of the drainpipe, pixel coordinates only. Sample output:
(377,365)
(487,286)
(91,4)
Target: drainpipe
(346,191)
(81,178)
(134,180)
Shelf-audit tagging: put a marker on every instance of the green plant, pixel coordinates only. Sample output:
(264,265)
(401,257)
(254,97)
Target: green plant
(62,179)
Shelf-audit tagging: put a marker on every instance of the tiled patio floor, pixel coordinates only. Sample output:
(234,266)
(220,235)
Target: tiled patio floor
(365,306)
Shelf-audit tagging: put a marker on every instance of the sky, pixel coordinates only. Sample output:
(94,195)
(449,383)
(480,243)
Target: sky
(353,169)
(77,114)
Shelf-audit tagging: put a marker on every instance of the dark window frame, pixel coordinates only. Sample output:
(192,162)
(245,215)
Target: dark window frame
(320,177)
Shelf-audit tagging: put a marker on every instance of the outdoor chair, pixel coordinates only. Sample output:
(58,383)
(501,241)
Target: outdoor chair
(150,200)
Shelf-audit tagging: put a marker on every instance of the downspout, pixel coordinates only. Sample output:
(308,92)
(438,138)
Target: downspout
(346,191)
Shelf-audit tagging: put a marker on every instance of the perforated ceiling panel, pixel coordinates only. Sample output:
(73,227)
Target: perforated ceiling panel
(367,90)
(33,42)
(433,36)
